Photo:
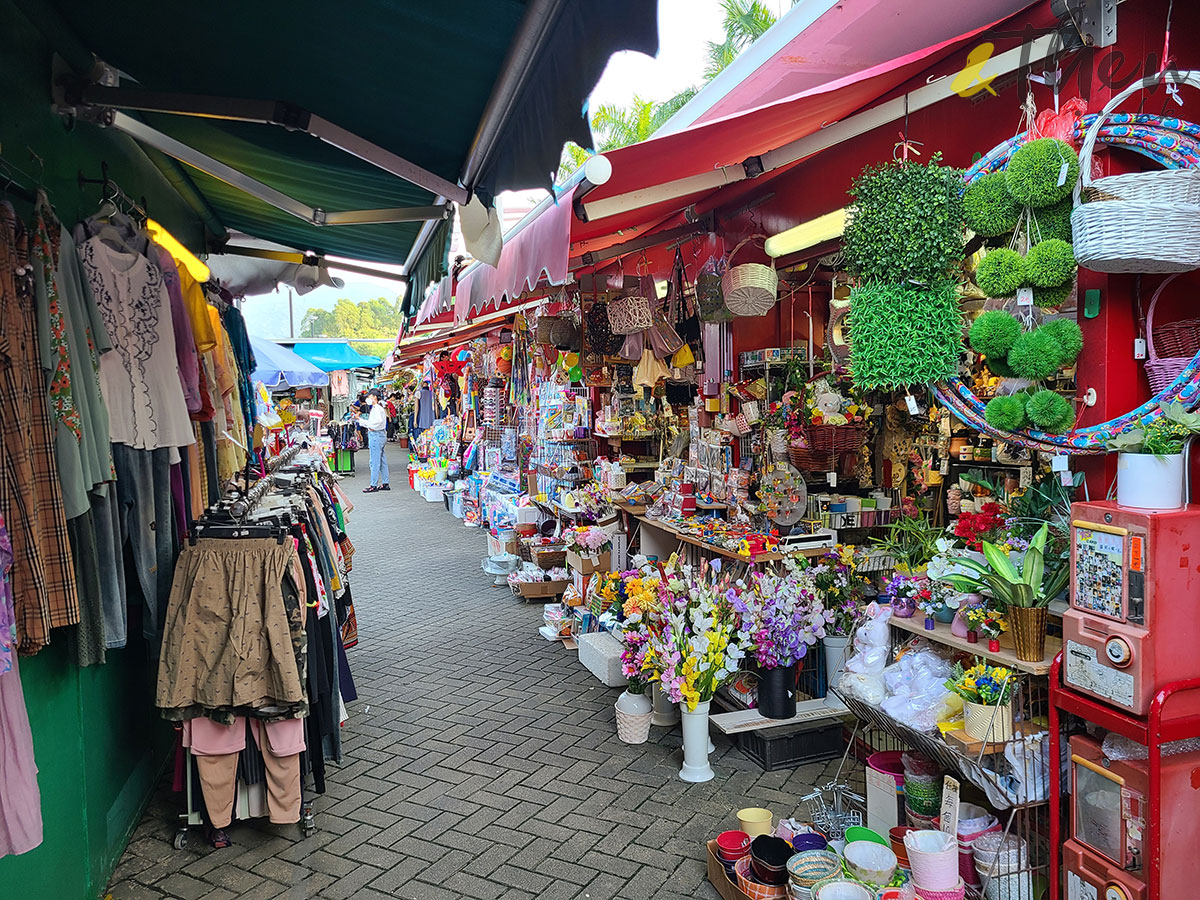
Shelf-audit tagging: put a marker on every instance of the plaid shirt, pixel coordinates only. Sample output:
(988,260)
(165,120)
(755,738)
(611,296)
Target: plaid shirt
(43,575)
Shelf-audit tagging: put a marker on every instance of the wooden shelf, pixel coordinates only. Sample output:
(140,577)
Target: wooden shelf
(1007,656)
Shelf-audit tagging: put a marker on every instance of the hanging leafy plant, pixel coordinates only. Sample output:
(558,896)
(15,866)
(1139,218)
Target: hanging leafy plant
(1050,264)
(1052,221)
(904,334)
(1001,272)
(1050,412)
(1035,355)
(1053,298)
(994,333)
(989,208)
(1035,175)
(1006,413)
(1069,336)
(906,222)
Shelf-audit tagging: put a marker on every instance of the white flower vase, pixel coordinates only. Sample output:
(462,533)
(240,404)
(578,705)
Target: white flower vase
(836,652)
(634,712)
(666,713)
(695,745)
(1146,481)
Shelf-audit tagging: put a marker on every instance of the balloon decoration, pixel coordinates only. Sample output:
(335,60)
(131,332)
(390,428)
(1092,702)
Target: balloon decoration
(575,374)
(1174,144)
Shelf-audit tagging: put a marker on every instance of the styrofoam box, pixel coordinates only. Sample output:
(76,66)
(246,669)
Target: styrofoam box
(600,654)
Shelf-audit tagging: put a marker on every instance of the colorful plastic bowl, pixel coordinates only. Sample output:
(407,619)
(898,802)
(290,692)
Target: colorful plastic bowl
(808,841)
(732,845)
(769,858)
(857,833)
(870,862)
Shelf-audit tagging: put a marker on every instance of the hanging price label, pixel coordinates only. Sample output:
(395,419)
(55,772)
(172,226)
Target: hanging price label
(1026,476)
(831,478)
(911,402)
(1025,296)
(1058,463)
(945,467)
(1062,173)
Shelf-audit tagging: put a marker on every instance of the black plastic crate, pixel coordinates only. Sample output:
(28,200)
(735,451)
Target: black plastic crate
(789,746)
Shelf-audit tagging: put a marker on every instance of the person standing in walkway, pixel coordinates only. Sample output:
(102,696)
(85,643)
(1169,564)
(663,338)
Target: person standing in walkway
(375,424)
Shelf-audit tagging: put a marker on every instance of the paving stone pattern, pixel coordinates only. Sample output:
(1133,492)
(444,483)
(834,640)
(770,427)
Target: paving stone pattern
(481,761)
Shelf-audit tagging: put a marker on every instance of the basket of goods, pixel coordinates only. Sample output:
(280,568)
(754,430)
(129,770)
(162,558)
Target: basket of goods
(832,418)
(1169,347)
(1136,222)
(750,289)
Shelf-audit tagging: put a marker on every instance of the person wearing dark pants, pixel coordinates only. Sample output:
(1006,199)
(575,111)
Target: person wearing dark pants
(375,425)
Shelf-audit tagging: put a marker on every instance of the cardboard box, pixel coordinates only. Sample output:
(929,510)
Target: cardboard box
(546,590)
(587,565)
(718,879)
(496,548)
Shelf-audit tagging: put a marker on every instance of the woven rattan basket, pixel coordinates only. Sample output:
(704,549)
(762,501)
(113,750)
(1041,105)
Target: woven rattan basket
(1154,226)
(750,289)
(1169,347)
(835,437)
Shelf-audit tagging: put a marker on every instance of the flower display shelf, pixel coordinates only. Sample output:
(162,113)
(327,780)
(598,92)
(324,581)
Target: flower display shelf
(1007,656)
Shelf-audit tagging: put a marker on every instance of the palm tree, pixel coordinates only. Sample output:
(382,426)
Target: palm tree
(745,22)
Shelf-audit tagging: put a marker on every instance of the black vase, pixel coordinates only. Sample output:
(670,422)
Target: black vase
(777,692)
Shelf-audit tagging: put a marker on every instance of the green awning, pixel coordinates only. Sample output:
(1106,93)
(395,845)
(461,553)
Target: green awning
(415,79)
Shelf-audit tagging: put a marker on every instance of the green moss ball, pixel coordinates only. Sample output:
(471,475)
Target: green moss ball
(1033,172)
(1052,298)
(1035,355)
(1000,273)
(1053,221)
(1069,337)
(989,208)
(1050,412)
(1005,413)
(993,333)
(1050,264)
(999,367)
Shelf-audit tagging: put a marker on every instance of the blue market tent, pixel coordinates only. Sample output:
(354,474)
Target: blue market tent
(332,356)
(279,367)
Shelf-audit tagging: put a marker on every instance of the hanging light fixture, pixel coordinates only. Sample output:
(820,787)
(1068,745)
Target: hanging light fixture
(807,234)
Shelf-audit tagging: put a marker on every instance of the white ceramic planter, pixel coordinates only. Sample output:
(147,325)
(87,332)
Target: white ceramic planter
(1145,481)
(695,745)
(666,713)
(634,712)
(836,652)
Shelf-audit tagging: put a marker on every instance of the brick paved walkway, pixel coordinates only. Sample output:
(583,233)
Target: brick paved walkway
(481,761)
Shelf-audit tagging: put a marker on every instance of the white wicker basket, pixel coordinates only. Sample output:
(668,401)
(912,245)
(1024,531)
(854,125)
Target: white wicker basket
(1154,225)
(750,289)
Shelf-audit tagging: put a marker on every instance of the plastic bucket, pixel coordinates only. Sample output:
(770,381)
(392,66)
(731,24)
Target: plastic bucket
(933,856)
(755,820)
(1145,481)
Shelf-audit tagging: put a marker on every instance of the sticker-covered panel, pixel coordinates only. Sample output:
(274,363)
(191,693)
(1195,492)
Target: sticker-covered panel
(1086,671)
(1099,572)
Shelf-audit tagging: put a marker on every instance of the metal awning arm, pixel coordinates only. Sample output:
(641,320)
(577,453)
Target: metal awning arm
(267,112)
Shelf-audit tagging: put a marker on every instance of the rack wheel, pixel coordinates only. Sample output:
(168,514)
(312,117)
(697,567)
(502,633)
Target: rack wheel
(181,839)
(307,824)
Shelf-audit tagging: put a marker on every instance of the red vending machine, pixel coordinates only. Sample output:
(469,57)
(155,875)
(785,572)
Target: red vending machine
(1134,620)
(1105,859)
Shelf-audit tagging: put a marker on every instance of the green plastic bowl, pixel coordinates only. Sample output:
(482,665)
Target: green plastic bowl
(858,833)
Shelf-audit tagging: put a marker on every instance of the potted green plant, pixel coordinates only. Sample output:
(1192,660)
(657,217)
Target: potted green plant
(1023,591)
(912,542)
(1150,464)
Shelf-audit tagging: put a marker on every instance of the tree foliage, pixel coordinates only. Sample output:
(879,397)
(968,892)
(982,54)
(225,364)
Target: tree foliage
(378,318)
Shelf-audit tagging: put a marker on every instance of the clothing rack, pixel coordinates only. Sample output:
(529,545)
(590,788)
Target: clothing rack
(11,173)
(112,192)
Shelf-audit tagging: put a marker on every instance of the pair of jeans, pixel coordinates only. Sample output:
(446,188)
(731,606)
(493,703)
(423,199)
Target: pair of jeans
(377,443)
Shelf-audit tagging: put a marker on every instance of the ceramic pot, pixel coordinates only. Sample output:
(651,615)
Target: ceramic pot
(665,712)
(988,723)
(836,651)
(1146,481)
(695,744)
(634,712)
(777,692)
(945,615)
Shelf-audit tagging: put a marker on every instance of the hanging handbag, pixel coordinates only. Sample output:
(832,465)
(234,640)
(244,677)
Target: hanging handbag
(681,309)
(631,311)
(631,349)
(600,336)
(663,338)
(683,357)
(649,370)
(711,298)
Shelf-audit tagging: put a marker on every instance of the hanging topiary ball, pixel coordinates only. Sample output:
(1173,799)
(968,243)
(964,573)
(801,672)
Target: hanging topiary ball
(1053,298)
(994,332)
(999,367)
(1050,264)
(1000,273)
(1069,337)
(1050,412)
(989,208)
(1006,413)
(1035,176)
(1035,355)
(1052,221)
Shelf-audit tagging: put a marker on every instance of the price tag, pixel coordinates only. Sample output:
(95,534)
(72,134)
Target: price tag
(1139,348)
(1058,463)
(911,402)
(945,467)
(831,478)
(949,817)
(1066,479)
(1062,173)
(1026,476)
(1025,296)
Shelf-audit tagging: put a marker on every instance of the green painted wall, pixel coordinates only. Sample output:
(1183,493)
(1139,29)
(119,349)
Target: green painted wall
(98,740)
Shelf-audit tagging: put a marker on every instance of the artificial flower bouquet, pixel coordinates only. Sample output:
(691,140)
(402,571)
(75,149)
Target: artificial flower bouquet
(839,590)
(588,541)
(828,401)
(695,644)
(983,619)
(781,616)
(983,684)
(905,593)
(988,524)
